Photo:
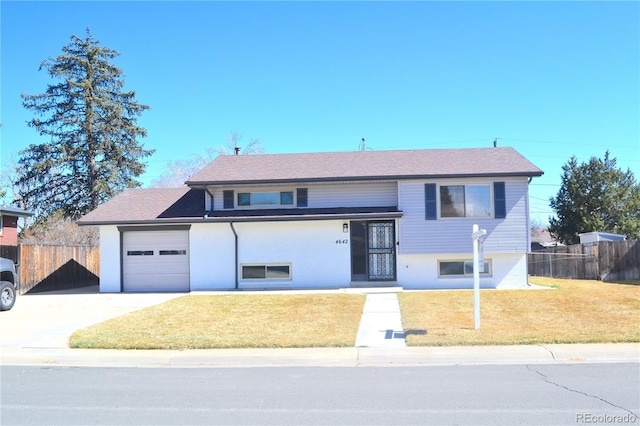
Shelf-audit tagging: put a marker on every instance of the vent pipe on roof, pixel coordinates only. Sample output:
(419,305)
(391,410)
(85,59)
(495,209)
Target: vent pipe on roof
(495,142)
(236,150)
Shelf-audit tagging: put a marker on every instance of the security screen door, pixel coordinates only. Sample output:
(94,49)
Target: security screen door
(373,251)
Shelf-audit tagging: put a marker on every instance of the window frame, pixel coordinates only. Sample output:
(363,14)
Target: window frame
(464,186)
(140,252)
(172,252)
(487,262)
(266,267)
(278,195)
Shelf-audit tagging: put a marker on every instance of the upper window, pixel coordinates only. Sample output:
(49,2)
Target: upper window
(465,201)
(265,198)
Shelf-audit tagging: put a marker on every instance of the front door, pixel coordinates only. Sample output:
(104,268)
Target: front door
(373,251)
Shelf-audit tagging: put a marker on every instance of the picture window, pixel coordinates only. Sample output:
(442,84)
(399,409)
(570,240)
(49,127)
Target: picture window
(465,201)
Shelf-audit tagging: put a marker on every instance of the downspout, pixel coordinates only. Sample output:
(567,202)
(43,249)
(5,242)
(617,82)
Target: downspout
(526,263)
(235,234)
(206,188)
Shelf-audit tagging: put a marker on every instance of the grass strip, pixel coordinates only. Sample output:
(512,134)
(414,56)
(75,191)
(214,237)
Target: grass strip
(567,311)
(232,321)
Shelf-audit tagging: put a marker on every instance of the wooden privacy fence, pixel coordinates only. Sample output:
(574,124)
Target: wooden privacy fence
(53,267)
(603,260)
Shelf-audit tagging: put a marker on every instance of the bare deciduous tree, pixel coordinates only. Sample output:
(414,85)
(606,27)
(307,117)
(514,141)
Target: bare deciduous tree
(179,171)
(229,147)
(56,229)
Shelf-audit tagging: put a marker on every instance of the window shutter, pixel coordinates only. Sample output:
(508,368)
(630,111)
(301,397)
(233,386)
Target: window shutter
(499,200)
(227,199)
(430,201)
(301,194)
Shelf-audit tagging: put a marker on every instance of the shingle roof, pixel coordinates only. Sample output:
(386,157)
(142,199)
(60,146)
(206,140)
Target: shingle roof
(357,165)
(146,205)
(171,205)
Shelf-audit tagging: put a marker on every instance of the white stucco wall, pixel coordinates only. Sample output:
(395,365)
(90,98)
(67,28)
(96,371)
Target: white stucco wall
(421,272)
(109,259)
(316,251)
(211,256)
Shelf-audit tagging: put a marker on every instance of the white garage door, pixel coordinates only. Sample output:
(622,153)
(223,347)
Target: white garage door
(155,260)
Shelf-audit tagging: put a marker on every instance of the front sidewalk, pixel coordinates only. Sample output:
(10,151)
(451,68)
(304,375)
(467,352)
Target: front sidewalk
(336,357)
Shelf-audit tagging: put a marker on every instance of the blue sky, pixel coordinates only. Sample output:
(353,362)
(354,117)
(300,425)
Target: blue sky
(551,79)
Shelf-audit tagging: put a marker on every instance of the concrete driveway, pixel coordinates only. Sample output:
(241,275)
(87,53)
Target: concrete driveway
(46,320)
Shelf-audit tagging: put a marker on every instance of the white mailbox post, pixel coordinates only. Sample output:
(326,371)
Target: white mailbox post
(478,256)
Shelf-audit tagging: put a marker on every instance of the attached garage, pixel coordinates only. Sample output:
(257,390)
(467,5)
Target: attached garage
(155,260)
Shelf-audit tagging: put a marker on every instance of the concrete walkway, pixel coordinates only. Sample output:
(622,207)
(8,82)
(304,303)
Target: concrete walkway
(381,322)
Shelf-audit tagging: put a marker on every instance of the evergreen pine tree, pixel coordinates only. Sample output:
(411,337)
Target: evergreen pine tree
(93,151)
(595,196)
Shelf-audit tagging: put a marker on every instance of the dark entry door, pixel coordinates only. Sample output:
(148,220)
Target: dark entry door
(373,251)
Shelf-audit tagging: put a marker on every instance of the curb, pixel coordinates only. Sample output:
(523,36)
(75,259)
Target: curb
(327,357)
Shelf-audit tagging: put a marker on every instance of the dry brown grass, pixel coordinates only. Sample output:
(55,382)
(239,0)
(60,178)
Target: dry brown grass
(569,311)
(232,321)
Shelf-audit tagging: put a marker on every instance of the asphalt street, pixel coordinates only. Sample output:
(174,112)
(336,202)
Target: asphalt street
(555,394)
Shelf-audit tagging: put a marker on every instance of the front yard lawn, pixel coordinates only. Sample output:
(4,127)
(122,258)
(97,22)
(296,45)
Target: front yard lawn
(232,321)
(569,311)
(566,311)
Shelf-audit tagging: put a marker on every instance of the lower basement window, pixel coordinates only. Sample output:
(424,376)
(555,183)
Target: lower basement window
(266,272)
(461,268)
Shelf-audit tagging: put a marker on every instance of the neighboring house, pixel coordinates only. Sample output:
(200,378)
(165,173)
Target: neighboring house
(542,239)
(323,220)
(9,224)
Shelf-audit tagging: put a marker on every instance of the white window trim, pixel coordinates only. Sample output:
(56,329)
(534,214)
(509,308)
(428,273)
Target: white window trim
(263,206)
(491,200)
(482,274)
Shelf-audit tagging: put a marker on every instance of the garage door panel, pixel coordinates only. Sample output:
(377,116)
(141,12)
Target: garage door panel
(156,260)
(155,282)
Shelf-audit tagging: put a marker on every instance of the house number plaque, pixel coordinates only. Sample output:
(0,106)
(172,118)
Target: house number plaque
(345,241)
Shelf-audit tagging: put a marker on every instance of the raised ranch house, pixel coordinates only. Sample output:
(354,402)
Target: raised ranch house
(323,220)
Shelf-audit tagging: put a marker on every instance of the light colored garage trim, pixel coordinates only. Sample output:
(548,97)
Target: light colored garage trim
(155,228)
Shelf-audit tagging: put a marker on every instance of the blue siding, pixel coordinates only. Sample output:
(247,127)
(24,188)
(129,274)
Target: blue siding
(363,194)
(449,235)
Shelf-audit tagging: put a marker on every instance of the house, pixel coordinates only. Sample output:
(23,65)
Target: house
(9,224)
(323,220)
(542,239)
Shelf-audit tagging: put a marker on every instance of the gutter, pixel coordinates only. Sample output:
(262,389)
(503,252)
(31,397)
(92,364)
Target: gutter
(342,179)
(235,235)
(225,219)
